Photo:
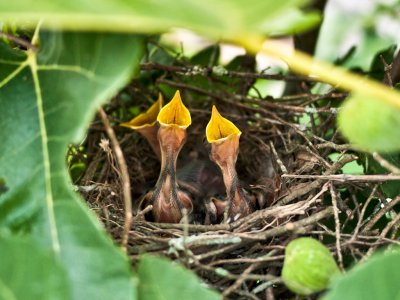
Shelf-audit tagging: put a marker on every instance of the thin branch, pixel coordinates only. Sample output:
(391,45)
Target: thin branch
(220,71)
(381,213)
(240,280)
(126,186)
(290,227)
(247,260)
(347,178)
(383,234)
(362,213)
(267,104)
(388,72)
(385,164)
(315,184)
(19,41)
(277,159)
(334,146)
(337,225)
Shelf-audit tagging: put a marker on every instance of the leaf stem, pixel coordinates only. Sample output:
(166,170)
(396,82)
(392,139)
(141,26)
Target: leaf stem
(336,76)
(18,41)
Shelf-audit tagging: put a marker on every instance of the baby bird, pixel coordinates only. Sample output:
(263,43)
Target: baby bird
(146,125)
(224,136)
(167,198)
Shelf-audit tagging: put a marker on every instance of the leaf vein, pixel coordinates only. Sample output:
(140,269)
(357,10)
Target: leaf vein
(46,155)
(13,74)
(66,68)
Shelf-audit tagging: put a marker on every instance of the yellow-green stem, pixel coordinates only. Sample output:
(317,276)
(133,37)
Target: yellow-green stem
(336,76)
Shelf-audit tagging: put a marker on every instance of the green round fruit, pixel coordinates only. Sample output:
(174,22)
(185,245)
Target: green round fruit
(308,267)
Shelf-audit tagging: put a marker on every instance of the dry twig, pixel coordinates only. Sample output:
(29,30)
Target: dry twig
(126,185)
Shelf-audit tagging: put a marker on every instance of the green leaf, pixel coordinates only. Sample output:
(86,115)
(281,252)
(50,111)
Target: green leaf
(378,278)
(350,168)
(390,188)
(370,124)
(293,21)
(159,279)
(370,28)
(224,18)
(47,100)
(208,56)
(29,272)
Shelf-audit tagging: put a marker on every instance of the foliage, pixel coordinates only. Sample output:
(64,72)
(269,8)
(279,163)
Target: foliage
(156,282)
(48,95)
(225,18)
(23,261)
(355,33)
(375,279)
(47,100)
(375,118)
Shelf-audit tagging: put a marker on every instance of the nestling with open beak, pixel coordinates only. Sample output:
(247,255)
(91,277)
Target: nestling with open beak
(167,198)
(146,125)
(224,136)
(199,179)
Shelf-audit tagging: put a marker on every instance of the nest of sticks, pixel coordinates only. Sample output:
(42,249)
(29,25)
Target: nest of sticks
(242,259)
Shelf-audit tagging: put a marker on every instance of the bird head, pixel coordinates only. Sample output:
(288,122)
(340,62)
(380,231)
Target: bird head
(223,136)
(173,118)
(146,124)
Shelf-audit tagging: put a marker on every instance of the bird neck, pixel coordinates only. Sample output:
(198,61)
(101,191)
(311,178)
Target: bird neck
(171,140)
(225,154)
(231,181)
(168,161)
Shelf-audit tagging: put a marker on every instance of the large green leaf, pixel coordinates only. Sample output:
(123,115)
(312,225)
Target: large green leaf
(378,278)
(159,279)
(29,272)
(370,124)
(46,101)
(223,18)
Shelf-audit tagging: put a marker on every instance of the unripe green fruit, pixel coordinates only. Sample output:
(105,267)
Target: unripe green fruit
(308,267)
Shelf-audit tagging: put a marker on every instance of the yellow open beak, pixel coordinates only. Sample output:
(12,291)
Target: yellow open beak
(146,119)
(175,113)
(219,128)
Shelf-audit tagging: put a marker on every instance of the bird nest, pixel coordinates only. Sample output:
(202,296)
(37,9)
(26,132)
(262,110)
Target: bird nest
(293,138)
